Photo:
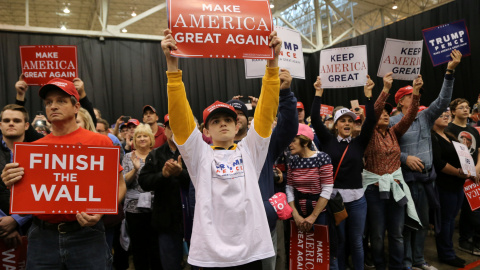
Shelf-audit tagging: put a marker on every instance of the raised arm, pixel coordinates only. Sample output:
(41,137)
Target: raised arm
(401,127)
(370,121)
(382,98)
(323,133)
(439,105)
(268,101)
(179,111)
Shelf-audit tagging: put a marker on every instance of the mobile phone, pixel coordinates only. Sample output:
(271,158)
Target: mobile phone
(126,118)
(354,103)
(245,100)
(39,112)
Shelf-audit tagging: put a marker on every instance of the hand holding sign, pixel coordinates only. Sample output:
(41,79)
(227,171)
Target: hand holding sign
(285,78)
(11,174)
(367,89)
(21,86)
(276,44)
(169,44)
(87,220)
(417,85)
(387,82)
(456,58)
(318,87)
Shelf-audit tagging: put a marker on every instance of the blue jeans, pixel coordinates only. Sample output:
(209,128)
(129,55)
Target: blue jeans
(414,240)
(385,215)
(352,229)
(171,250)
(450,203)
(83,249)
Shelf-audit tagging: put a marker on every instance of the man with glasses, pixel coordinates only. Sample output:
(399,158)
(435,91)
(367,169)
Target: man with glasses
(469,226)
(416,158)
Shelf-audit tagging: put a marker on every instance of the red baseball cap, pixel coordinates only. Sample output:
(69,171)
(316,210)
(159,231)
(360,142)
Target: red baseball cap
(57,83)
(133,121)
(217,107)
(166,119)
(300,105)
(421,108)
(407,90)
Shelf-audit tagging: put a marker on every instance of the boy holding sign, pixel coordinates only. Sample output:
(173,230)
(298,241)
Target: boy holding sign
(230,226)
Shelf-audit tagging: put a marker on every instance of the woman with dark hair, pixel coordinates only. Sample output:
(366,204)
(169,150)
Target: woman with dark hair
(348,181)
(309,183)
(450,180)
(385,190)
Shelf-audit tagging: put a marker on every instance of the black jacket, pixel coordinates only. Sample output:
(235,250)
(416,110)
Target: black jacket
(167,213)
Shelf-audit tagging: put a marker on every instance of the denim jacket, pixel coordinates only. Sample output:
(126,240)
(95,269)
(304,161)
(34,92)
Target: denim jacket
(417,140)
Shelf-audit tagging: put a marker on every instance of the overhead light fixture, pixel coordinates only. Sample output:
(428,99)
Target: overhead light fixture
(64,28)
(394,5)
(133,13)
(272,5)
(124,30)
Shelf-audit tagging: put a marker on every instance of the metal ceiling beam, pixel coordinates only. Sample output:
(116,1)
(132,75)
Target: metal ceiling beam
(329,3)
(75,32)
(27,15)
(318,20)
(293,27)
(104,13)
(137,18)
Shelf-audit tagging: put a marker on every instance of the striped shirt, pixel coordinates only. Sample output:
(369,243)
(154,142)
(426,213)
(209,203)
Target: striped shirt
(310,175)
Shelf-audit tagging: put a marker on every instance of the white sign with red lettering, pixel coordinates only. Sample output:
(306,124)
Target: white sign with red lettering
(291,56)
(344,67)
(401,57)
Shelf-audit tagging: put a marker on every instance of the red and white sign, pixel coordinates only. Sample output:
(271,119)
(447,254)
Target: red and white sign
(472,192)
(290,58)
(235,29)
(344,67)
(326,110)
(66,179)
(40,64)
(14,258)
(309,250)
(402,57)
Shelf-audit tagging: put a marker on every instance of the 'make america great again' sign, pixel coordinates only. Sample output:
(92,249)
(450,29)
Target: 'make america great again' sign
(235,29)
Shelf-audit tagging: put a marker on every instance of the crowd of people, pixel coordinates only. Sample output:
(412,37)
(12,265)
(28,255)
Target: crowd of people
(202,190)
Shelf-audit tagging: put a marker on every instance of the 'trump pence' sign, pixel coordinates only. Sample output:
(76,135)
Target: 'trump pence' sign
(442,39)
(291,56)
(40,64)
(66,179)
(237,29)
(344,67)
(401,57)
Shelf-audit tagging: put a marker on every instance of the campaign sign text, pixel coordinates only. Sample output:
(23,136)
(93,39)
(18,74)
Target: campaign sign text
(403,58)
(326,110)
(14,258)
(442,39)
(344,67)
(40,64)
(466,160)
(472,192)
(66,179)
(309,250)
(235,29)
(291,56)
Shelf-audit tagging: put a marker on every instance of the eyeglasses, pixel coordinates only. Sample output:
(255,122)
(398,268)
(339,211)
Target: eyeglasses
(463,108)
(445,116)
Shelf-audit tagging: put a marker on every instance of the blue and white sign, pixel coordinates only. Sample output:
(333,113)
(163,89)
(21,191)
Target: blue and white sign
(442,39)
(291,56)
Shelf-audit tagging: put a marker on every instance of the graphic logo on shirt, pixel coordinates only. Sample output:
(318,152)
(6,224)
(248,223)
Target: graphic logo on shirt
(229,170)
(468,139)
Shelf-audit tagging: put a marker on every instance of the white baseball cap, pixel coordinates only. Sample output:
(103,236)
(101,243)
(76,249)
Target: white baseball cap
(343,112)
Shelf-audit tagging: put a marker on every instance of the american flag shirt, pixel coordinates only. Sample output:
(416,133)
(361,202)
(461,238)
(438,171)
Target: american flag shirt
(310,175)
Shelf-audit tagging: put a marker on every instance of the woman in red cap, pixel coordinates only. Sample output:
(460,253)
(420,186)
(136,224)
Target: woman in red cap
(309,182)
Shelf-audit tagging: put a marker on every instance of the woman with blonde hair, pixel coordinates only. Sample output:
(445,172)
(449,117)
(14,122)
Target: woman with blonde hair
(85,121)
(138,212)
